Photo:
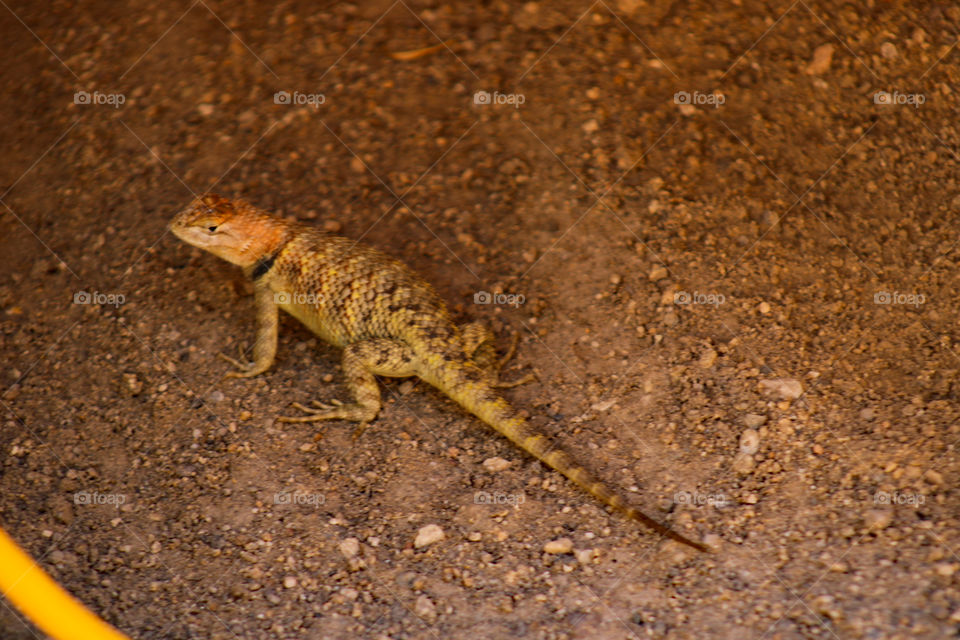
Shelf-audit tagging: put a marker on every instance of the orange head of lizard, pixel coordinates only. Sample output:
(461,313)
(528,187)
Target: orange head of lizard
(229,229)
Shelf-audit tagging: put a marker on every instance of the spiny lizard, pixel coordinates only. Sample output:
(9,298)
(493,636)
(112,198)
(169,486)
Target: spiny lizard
(388,321)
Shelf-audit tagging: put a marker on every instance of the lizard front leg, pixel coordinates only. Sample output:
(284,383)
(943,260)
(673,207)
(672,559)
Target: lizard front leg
(361,362)
(265,347)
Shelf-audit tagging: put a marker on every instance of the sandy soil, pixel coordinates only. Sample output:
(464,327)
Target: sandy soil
(730,234)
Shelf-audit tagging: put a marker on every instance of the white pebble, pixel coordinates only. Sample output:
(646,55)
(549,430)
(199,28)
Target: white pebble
(749,441)
(350,547)
(584,556)
(495,464)
(559,546)
(425,608)
(428,535)
(786,388)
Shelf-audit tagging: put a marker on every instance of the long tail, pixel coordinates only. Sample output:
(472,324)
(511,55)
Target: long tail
(480,399)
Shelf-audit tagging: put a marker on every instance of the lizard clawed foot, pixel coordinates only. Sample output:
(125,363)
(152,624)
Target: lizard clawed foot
(511,350)
(244,369)
(336,410)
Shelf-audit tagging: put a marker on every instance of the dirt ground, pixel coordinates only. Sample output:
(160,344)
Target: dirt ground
(727,237)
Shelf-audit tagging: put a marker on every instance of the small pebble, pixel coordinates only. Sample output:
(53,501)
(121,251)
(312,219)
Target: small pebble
(753,420)
(946,569)
(658,273)
(877,519)
(425,608)
(711,541)
(289,582)
(428,535)
(584,556)
(888,50)
(134,384)
(205,109)
(350,547)
(559,546)
(708,358)
(743,463)
(786,388)
(749,441)
(822,57)
(495,464)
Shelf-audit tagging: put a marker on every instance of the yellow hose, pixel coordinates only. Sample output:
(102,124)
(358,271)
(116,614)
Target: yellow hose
(51,608)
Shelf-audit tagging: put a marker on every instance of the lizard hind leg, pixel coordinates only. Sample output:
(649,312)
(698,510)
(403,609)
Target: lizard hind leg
(480,346)
(361,362)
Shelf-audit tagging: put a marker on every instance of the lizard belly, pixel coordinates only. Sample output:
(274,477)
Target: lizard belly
(313,317)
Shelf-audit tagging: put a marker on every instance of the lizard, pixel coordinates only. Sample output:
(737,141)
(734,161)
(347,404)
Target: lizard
(386,318)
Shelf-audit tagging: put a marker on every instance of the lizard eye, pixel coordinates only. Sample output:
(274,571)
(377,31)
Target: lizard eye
(212,229)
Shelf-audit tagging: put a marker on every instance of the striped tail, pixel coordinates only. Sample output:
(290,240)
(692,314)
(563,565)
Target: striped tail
(484,402)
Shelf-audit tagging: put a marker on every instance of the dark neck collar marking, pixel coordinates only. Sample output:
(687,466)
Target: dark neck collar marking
(263,265)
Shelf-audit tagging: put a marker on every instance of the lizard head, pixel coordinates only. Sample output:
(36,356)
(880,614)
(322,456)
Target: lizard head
(230,229)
